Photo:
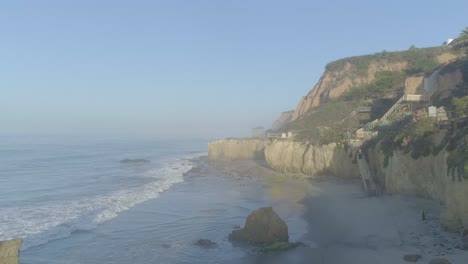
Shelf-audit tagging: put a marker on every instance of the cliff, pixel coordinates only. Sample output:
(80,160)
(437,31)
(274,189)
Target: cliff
(427,177)
(306,158)
(236,149)
(287,156)
(342,75)
(9,251)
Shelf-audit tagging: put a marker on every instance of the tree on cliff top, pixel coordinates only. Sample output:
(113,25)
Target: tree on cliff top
(462,40)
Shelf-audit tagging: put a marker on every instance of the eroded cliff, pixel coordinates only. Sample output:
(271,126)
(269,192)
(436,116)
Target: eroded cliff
(288,156)
(236,149)
(340,76)
(306,158)
(427,177)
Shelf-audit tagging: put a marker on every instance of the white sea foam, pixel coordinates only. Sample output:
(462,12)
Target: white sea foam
(43,223)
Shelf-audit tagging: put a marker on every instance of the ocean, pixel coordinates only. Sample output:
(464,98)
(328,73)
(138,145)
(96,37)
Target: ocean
(117,200)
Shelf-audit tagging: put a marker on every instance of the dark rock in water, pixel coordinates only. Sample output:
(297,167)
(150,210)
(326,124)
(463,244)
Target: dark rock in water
(412,257)
(262,226)
(281,246)
(206,243)
(439,261)
(9,251)
(166,245)
(134,161)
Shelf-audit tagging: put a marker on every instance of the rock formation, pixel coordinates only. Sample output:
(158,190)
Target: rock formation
(9,251)
(287,156)
(336,81)
(206,243)
(262,226)
(236,149)
(306,158)
(424,177)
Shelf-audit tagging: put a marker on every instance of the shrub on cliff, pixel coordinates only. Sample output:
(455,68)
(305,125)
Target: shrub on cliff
(460,106)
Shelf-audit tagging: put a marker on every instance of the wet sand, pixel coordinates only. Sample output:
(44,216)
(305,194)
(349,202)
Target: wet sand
(344,225)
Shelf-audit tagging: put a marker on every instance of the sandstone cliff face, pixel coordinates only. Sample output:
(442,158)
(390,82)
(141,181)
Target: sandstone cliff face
(333,84)
(427,177)
(9,251)
(236,149)
(299,157)
(287,156)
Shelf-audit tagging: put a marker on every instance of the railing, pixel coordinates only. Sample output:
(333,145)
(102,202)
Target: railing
(431,91)
(356,111)
(390,111)
(413,97)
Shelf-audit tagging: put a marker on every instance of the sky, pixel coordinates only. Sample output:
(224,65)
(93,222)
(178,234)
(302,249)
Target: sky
(192,68)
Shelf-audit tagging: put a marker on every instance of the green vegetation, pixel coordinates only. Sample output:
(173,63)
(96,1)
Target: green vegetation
(385,83)
(327,123)
(462,40)
(406,135)
(420,60)
(460,106)
(323,125)
(458,152)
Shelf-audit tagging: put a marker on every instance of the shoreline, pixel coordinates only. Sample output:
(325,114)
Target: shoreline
(344,225)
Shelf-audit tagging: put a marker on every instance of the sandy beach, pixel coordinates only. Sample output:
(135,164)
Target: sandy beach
(344,225)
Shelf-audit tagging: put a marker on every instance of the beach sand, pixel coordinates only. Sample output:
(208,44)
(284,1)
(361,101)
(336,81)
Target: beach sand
(344,225)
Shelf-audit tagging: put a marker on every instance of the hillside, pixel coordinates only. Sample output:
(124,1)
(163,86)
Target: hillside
(372,81)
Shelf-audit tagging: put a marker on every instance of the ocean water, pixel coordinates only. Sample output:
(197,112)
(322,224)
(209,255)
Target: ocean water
(74,201)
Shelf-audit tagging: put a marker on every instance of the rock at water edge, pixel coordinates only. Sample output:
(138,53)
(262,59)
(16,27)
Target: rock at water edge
(262,226)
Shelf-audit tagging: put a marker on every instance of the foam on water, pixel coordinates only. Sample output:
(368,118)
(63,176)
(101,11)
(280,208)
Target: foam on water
(46,222)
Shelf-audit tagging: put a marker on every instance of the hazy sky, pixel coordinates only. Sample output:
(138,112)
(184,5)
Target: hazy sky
(201,68)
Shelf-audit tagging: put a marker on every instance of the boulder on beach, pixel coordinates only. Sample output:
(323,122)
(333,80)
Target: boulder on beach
(9,251)
(439,261)
(262,226)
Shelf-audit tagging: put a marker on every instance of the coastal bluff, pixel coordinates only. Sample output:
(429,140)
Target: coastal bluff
(9,251)
(428,177)
(236,149)
(286,156)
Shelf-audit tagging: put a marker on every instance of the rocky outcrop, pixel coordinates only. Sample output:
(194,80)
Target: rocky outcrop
(335,83)
(287,156)
(236,149)
(262,226)
(206,243)
(425,177)
(306,158)
(282,120)
(9,251)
